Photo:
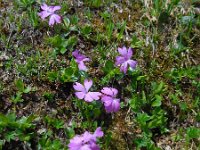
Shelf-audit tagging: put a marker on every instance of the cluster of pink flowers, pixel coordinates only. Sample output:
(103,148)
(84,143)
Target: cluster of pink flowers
(123,60)
(107,95)
(86,141)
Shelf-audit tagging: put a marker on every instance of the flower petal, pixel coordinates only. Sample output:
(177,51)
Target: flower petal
(54,18)
(115,91)
(108,108)
(122,51)
(95,95)
(88,98)
(112,106)
(85,147)
(91,96)
(109,91)
(129,53)
(124,67)
(115,105)
(81,66)
(119,60)
(98,132)
(75,53)
(80,95)
(86,59)
(44,7)
(75,143)
(44,14)
(132,63)
(87,136)
(79,87)
(88,84)
(57,18)
(106,100)
(94,146)
(54,8)
(79,57)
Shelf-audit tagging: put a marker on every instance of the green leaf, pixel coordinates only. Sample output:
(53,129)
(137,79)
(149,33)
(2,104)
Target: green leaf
(58,124)
(25,137)
(142,118)
(183,106)
(55,41)
(66,22)
(27,90)
(2,142)
(69,44)
(3,120)
(10,136)
(108,66)
(157,102)
(63,50)
(141,77)
(159,88)
(17,98)
(86,30)
(136,43)
(11,117)
(49,96)
(133,102)
(52,76)
(68,71)
(144,99)
(20,85)
(56,145)
(68,75)
(192,133)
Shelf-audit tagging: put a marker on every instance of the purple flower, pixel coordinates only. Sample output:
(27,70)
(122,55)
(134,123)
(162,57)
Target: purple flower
(86,141)
(98,132)
(50,11)
(111,103)
(83,91)
(125,59)
(80,60)
(76,143)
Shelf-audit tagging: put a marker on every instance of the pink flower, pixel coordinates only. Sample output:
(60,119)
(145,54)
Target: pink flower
(80,60)
(125,59)
(50,11)
(111,103)
(86,141)
(83,91)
